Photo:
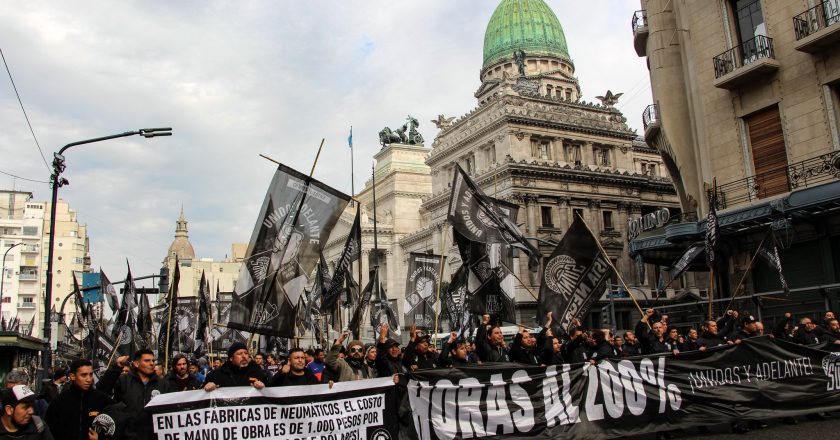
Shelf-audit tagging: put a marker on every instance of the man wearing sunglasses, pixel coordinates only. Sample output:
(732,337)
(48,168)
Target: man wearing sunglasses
(353,366)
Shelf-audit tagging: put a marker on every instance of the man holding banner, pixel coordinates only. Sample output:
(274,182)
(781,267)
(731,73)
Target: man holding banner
(239,370)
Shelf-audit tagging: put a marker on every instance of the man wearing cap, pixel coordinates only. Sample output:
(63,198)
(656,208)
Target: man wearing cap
(417,355)
(388,355)
(19,377)
(71,413)
(52,387)
(746,331)
(353,366)
(17,420)
(238,371)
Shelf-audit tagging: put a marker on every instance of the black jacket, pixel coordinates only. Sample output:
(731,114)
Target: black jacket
(650,344)
(520,353)
(192,384)
(130,389)
(35,430)
(487,352)
(229,375)
(802,337)
(385,365)
(709,340)
(70,414)
(412,357)
(288,379)
(49,391)
(604,350)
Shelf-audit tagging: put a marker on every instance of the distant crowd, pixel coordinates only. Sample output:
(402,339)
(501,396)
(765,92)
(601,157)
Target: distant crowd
(70,407)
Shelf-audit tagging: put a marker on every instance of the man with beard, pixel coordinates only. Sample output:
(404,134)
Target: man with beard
(417,355)
(69,416)
(17,421)
(631,345)
(490,342)
(832,332)
(808,333)
(238,371)
(353,366)
(135,388)
(180,379)
(454,353)
(294,372)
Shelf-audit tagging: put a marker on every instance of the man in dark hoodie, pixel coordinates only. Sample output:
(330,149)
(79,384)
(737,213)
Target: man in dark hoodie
(294,372)
(808,333)
(180,378)
(453,353)
(652,341)
(135,388)
(709,338)
(69,416)
(238,371)
(523,348)
(490,342)
(388,362)
(417,355)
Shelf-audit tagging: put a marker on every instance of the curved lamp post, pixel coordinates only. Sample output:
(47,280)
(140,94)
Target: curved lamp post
(58,182)
(3,276)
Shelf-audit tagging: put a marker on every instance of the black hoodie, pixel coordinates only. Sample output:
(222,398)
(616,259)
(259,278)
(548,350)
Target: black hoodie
(70,414)
(229,375)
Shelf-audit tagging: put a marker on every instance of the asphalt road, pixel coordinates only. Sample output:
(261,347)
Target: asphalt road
(806,429)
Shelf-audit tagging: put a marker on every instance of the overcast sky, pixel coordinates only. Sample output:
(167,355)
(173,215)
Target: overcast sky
(239,78)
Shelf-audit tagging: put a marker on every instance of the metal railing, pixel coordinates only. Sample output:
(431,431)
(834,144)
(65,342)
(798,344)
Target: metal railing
(26,305)
(817,18)
(29,248)
(650,115)
(739,56)
(809,172)
(639,20)
(28,277)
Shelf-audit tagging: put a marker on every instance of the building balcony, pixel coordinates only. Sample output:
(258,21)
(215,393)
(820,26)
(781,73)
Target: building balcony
(26,305)
(640,32)
(28,277)
(818,28)
(810,172)
(742,64)
(650,120)
(30,249)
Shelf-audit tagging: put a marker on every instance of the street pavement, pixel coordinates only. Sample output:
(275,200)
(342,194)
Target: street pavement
(806,429)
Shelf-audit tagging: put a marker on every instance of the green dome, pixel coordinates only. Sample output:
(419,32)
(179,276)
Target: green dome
(529,25)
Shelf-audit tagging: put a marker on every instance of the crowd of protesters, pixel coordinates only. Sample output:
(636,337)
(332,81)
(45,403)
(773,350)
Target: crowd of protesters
(71,407)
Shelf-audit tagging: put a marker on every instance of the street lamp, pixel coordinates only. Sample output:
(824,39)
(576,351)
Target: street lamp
(3,276)
(58,182)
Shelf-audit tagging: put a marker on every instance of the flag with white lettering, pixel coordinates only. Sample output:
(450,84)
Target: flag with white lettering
(573,277)
(362,305)
(421,286)
(455,300)
(479,219)
(769,253)
(125,324)
(169,329)
(381,311)
(712,228)
(109,292)
(685,260)
(293,226)
(351,253)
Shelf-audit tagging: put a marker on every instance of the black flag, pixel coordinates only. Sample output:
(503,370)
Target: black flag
(455,299)
(685,260)
(573,277)
(108,291)
(769,252)
(477,218)
(712,229)
(168,334)
(201,331)
(362,304)
(295,222)
(145,328)
(421,286)
(351,252)
(124,326)
(380,308)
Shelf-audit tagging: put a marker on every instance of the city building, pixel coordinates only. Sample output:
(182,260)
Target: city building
(25,223)
(747,97)
(531,140)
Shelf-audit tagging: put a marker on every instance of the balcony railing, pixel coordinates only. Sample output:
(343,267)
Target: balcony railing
(29,248)
(809,172)
(739,56)
(650,115)
(26,305)
(817,18)
(28,277)
(639,20)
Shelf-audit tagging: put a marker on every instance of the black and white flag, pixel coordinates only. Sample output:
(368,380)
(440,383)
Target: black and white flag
(381,311)
(362,304)
(109,292)
(477,218)
(295,221)
(712,229)
(573,277)
(685,260)
(169,329)
(351,252)
(125,324)
(455,300)
(202,334)
(769,253)
(421,286)
(145,328)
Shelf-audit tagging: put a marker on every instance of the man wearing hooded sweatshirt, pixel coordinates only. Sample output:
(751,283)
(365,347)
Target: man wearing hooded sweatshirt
(238,371)
(70,414)
(135,388)
(454,353)
(353,366)
(388,362)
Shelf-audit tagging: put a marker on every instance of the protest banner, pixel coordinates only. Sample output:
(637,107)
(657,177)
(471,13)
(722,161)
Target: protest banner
(359,410)
(758,379)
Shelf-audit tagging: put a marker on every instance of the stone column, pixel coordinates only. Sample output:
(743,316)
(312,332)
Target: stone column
(564,214)
(559,150)
(586,153)
(594,219)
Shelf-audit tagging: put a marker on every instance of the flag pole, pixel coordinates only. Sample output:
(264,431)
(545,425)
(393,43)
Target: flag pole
(747,271)
(712,207)
(609,262)
(440,282)
(375,239)
(352,167)
(522,283)
(172,289)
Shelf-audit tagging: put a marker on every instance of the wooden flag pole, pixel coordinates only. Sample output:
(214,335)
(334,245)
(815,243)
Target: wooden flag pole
(609,262)
(113,352)
(744,277)
(711,290)
(523,284)
(169,327)
(440,282)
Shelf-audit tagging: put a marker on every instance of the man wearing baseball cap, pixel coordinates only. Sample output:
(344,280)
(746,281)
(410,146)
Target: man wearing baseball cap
(239,370)
(353,366)
(17,420)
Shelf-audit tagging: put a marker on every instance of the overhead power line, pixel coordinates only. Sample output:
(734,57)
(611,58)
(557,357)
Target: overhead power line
(24,112)
(23,178)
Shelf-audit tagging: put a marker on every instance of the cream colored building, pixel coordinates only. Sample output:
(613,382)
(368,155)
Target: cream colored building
(530,140)
(221,274)
(25,221)
(747,93)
